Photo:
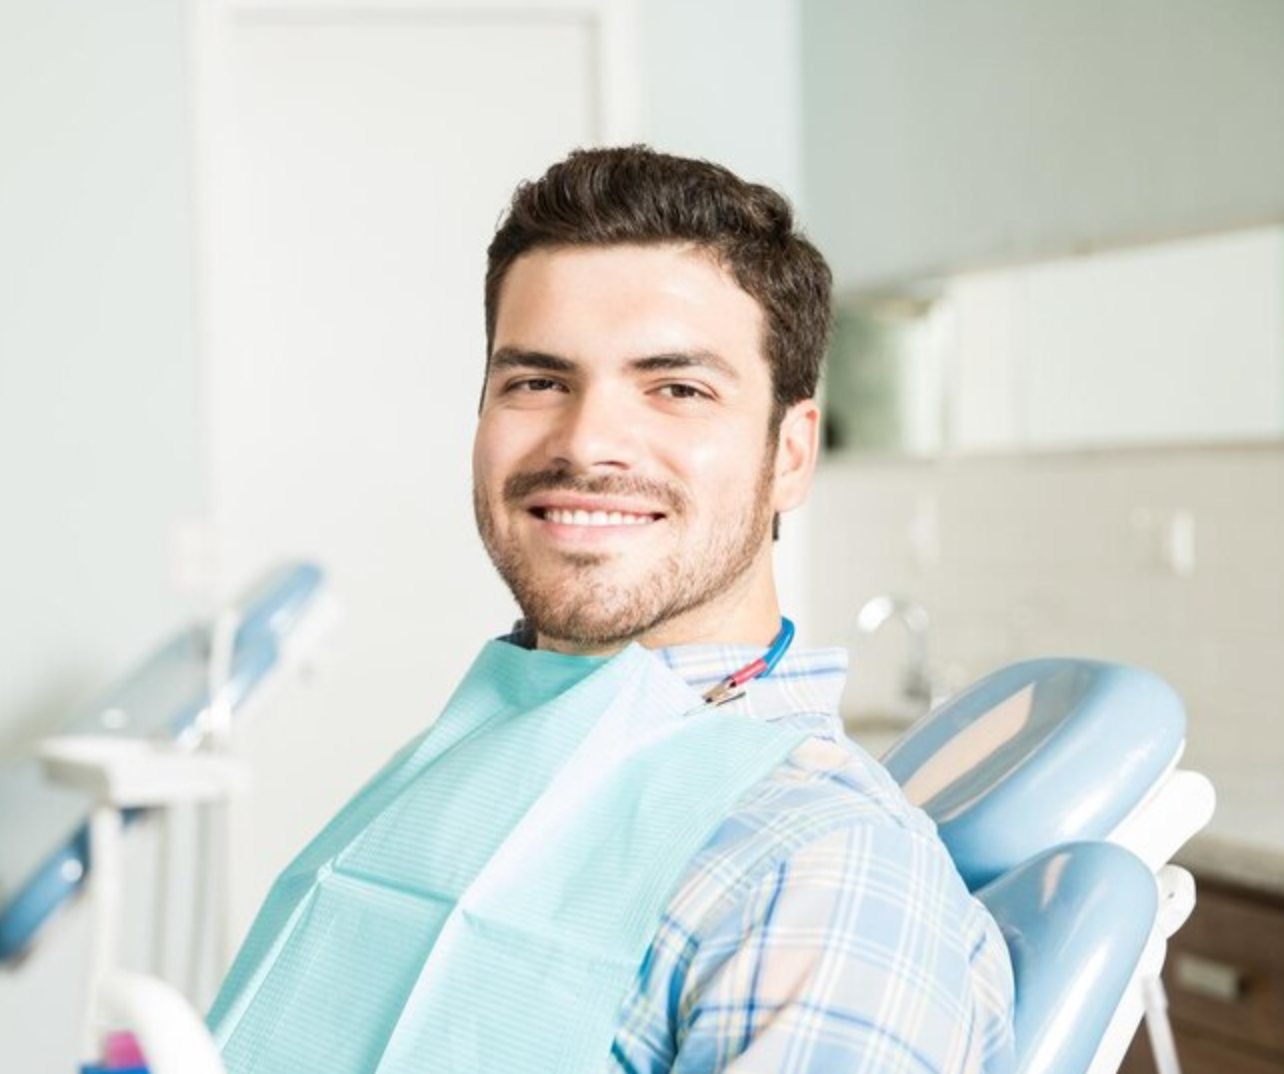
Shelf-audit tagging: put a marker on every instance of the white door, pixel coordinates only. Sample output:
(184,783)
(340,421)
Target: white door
(352,164)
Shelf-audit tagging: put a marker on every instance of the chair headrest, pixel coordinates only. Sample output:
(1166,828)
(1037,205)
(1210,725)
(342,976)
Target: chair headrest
(1038,754)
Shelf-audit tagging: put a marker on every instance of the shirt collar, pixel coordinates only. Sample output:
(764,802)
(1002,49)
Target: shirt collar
(806,682)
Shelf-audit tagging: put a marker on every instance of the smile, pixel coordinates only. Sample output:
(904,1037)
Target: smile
(565,517)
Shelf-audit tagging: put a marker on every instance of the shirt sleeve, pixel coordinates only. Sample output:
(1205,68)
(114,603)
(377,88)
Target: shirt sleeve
(860,952)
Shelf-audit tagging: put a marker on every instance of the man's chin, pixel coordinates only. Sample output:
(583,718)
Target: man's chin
(588,623)
(563,558)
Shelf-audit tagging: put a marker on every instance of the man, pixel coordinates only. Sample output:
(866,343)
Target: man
(585,866)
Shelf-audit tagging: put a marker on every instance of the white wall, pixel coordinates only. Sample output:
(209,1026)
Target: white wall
(1072,555)
(722,79)
(941,134)
(99,442)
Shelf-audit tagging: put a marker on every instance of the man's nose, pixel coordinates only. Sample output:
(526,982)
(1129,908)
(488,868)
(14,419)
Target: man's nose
(596,431)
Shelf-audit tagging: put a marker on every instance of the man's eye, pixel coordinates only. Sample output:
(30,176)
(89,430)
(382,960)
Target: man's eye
(534,384)
(684,391)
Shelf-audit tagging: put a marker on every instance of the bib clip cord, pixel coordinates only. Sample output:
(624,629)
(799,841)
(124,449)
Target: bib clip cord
(733,686)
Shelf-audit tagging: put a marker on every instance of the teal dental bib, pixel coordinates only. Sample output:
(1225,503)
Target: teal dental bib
(484,903)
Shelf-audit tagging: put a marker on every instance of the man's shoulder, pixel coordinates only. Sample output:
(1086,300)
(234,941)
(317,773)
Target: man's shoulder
(821,893)
(825,786)
(827,782)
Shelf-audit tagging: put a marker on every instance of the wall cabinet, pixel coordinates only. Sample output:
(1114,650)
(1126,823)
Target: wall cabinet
(1225,982)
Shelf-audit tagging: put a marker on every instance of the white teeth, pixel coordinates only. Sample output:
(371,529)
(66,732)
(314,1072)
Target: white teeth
(594,518)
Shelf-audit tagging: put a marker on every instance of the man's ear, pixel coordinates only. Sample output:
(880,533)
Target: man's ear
(797,448)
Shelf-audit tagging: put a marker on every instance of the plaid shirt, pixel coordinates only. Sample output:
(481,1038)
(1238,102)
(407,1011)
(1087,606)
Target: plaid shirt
(823,929)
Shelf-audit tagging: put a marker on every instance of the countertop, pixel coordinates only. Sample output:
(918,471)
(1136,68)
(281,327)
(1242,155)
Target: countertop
(1243,844)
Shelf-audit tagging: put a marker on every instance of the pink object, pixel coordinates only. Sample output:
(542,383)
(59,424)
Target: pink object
(121,1052)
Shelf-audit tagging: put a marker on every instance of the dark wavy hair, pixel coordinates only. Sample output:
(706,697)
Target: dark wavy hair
(635,195)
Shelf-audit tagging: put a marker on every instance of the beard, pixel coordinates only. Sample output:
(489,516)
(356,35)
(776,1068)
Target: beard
(580,603)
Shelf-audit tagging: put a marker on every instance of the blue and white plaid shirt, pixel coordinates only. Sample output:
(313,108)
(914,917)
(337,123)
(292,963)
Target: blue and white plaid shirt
(823,929)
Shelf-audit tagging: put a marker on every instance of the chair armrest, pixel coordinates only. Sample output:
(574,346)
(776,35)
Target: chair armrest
(1077,920)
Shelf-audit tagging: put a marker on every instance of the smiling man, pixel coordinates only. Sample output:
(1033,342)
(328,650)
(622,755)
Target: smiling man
(630,454)
(636,840)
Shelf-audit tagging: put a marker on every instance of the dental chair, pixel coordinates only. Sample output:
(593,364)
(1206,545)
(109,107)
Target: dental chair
(152,740)
(1054,784)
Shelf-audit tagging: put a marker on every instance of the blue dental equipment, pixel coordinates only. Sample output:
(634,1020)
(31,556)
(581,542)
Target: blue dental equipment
(44,833)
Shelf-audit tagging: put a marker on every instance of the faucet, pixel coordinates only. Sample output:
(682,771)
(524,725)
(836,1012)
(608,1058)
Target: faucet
(918,685)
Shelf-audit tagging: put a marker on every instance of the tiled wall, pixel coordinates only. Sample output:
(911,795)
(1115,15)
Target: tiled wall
(1169,559)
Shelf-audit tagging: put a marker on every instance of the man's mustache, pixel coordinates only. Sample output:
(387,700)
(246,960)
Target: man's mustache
(520,486)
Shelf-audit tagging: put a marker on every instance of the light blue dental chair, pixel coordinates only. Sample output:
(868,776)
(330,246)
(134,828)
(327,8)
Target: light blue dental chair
(1054,784)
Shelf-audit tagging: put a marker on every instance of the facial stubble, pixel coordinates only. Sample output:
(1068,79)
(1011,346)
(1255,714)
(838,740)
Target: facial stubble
(573,603)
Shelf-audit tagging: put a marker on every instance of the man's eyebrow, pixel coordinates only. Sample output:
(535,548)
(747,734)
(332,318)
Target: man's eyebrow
(686,360)
(516,358)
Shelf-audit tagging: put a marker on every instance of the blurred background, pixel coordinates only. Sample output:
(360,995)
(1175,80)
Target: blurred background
(241,253)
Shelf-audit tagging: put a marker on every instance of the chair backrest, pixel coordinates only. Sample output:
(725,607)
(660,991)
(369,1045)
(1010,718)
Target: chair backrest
(1053,784)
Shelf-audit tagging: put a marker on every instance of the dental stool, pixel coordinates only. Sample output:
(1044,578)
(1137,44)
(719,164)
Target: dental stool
(1054,785)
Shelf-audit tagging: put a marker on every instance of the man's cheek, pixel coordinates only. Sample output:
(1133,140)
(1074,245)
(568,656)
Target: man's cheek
(710,458)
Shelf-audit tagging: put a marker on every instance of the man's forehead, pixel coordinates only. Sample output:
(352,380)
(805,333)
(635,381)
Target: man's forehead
(640,300)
